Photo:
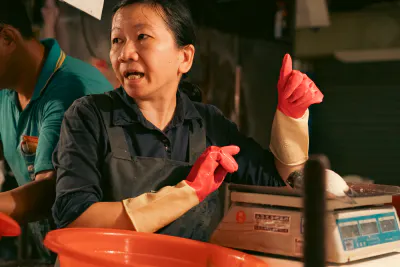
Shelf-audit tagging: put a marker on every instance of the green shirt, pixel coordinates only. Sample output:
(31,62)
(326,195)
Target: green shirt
(62,80)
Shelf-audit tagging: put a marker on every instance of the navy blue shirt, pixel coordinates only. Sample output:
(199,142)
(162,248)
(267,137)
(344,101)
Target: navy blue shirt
(84,144)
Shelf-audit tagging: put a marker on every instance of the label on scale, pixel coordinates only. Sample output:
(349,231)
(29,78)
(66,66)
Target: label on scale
(366,231)
(275,223)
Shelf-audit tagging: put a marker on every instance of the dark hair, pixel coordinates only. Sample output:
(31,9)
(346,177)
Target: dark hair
(14,13)
(191,90)
(178,18)
(176,14)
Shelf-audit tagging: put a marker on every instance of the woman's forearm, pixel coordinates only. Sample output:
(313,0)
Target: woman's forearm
(104,215)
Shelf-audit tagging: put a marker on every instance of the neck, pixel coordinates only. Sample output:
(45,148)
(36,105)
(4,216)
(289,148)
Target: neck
(159,111)
(30,59)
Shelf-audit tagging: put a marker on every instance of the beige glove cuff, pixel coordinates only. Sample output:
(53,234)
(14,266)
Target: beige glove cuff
(152,211)
(289,139)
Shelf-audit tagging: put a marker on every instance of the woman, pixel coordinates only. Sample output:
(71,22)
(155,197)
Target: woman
(124,158)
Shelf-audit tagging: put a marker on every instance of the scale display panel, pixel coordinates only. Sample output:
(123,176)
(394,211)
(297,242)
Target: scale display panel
(365,231)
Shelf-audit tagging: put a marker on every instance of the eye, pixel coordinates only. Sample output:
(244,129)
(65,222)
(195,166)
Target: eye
(116,40)
(142,36)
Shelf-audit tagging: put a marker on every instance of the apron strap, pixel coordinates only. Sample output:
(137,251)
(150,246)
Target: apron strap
(116,135)
(197,141)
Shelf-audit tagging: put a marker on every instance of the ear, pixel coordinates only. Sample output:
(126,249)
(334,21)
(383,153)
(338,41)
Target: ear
(186,60)
(9,37)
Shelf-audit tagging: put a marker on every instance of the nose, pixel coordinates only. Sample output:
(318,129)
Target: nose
(128,52)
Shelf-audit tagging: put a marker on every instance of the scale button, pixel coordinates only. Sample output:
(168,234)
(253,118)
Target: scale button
(240,216)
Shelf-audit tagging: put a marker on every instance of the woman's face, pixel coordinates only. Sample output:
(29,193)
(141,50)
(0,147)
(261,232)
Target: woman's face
(144,54)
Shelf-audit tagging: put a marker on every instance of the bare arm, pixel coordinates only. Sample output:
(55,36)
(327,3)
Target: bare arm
(104,215)
(29,202)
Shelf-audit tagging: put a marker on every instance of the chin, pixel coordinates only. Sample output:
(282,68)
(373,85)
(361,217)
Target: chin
(137,92)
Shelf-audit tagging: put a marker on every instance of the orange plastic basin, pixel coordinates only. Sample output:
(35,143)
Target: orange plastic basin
(8,227)
(113,248)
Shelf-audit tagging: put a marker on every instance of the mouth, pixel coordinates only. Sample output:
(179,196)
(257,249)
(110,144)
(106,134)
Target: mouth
(133,75)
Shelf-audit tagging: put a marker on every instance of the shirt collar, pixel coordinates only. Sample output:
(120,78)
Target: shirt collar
(54,60)
(185,110)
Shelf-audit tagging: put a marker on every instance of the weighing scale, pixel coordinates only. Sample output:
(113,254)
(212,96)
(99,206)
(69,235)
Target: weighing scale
(270,220)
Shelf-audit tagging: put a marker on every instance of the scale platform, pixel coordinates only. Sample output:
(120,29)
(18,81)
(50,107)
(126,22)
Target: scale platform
(270,220)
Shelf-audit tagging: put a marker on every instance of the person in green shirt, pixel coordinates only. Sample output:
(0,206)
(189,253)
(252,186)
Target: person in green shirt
(38,83)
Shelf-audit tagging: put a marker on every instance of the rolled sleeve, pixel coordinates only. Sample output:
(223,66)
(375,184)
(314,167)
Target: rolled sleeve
(256,165)
(48,136)
(76,160)
(57,103)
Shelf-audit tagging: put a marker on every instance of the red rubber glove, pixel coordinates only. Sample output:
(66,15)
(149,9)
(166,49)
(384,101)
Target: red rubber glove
(296,92)
(8,227)
(210,169)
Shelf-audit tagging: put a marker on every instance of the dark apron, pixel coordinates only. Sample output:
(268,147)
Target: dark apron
(128,177)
